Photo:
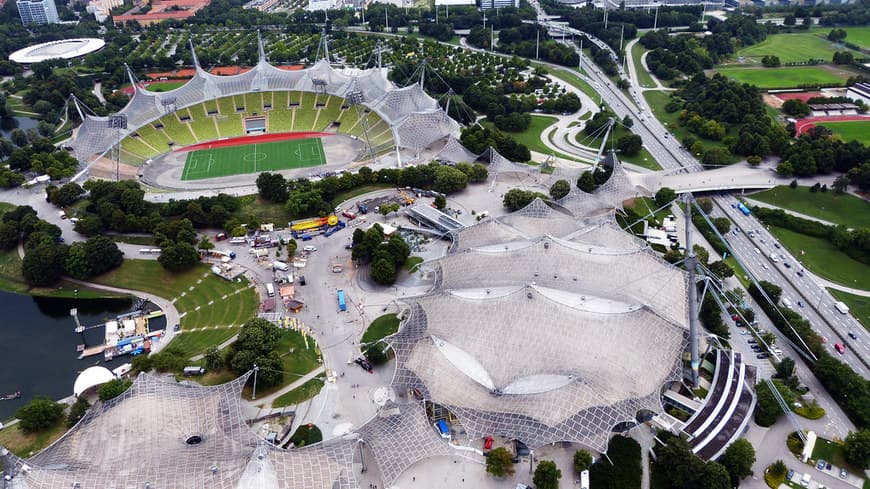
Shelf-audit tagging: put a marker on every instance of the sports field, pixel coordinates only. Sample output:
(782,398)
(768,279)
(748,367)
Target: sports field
(855,35)
(850,131)
(791,48)
(253,158)
(786,77)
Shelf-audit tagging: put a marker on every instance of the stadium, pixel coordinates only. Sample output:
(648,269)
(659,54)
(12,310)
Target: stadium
(315,117)
(64,49)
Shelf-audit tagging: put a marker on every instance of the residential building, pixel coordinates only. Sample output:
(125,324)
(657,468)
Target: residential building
(37,11)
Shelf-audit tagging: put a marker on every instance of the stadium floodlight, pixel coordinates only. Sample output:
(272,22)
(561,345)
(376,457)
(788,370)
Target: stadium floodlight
(118,122)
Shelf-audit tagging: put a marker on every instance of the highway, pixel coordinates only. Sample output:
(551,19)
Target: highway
(818,304)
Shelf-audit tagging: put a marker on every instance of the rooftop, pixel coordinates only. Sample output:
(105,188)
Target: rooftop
(64,49)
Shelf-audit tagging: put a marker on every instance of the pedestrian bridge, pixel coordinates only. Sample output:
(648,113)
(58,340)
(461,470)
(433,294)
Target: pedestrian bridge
(738,176)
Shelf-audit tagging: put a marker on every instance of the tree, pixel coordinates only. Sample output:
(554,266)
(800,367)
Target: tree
(272,187)
(77,411)
(449,179)
(499,462)
(627,121)
(213,359)
(178,257)
(560,189)
(857,448)
(737,460)
(582,460)
(796,107)
(665,196)
(723,224)
(785,368)
(547,475)
(778,468)
(515,198)
(754,160)
(205,244)
(440,202)
(630,144)
(706,204)
(39,414)
(841,183)
(44,263)
(714,476)
(114,388)
(586,182)
(66,195)
(383,272)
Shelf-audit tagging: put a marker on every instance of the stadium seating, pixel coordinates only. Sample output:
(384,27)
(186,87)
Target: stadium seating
(179,131)
(203,126)
(229,123)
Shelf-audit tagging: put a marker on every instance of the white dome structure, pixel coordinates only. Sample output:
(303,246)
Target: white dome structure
(91,377)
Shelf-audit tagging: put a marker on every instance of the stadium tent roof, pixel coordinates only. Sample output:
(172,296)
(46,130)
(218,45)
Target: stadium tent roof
(63,49)
(91,377)
(171,434)
(416,118)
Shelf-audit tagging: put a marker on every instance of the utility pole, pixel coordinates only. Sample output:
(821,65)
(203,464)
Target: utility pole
(537,43)
(656,21)
(254,392)
(386,17)
(621,34)
(436,13)
(491,38)
(691,265)
(580,66)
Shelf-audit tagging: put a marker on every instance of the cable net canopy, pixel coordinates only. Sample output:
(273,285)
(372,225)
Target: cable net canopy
(397,106)
(170,434)
(632,276)
(453,151)
(537,364)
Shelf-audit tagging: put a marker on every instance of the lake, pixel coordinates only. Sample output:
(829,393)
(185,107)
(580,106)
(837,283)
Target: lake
(7,124)
(38,344)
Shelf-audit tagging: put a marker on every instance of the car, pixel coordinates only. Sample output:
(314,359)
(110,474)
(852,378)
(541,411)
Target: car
(762,356)
(309,248)
(764,266)
(751,341)
(800,303)
(776,244)
(828,466)
(757,251)
(757,349)
(800,273)
(820,464)
(177,327)
(487,443)
(789,475)
(735,317)
(824,339)
(762,240)
(734,206)
(843,473)
(786,264)
(364,364)
(853,335)
(841,348)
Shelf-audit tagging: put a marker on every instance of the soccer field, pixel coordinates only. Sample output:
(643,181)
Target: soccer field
(253,158)
(789,77)
(850,131)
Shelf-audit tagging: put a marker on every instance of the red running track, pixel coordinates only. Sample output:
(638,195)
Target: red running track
(259,138)
(804,125)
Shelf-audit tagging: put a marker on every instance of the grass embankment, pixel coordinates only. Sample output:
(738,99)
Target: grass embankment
(204,300)
(844,209)
(11,280)
(350,194)
(302,393)
(265,211)
(25,444)
(643,158)
(793,48)
(788,77)
(643,76)
(859,36)
(859,306)
(823,259)
(296,360)
(412,262)
(381,327)
(133,240)
(850,131)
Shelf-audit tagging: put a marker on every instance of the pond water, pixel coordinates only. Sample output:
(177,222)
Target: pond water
(38,344)
(7,124)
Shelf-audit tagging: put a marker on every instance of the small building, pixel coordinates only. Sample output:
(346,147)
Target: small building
(90,379)
(268,305)
(388,230)
(287,292)
(433,218)
(859,91)
(294,305)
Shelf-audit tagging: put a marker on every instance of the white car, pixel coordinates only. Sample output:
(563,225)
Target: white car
(757,251)
(309,248)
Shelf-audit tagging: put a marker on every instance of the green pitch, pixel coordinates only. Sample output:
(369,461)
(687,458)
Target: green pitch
(849,131)
(789,77)
(253,158)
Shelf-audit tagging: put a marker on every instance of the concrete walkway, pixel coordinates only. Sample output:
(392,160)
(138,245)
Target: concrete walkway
(223,345)
(794,213)
(267,400)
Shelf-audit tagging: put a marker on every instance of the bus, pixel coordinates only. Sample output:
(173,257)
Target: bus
(742,207)
(150,251)
(584,479)
(270,290)
(342,305)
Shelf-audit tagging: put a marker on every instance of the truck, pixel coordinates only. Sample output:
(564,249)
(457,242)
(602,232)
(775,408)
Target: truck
(342,305)
(348,214)
(280,265)
(189,371)
(270,290)
(786,302)
(842,307)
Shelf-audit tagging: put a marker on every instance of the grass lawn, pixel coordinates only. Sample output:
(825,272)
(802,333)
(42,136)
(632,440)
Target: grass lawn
(24,444)
(844,209)
(296,360)
(572,78)
(531,137)
(859,306)
(412,262)
(850,131)
(11,280)
(792,48)
(350,194)
(381,328)
(302,393)
(824,259)
(196,342)
(253,158)
(164,87)
(194,288)
(829,451)
(265,211)
(643,76)
(789,77)
(135,240)
(854,35)
(642,158)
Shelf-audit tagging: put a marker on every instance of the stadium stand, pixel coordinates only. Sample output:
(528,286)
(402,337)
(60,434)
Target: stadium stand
(210,106)
(254,103)
(230,125)
(327,114)
(279,100)
(203,126)
(226,106)
(179,131)
(155,138)
(305,115)
(280,120)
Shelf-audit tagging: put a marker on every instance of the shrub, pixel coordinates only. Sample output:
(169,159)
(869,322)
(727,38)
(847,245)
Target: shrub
(39,414)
